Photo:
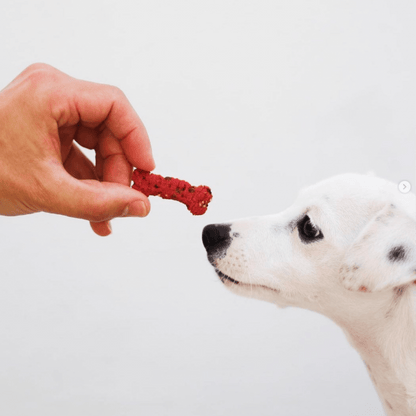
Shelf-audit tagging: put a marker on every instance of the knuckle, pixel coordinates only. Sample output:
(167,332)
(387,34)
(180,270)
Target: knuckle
(39,72)
(118,94)
(41,79)
(39,66)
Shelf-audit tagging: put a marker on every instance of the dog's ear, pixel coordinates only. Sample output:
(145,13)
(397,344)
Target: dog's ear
(384,253)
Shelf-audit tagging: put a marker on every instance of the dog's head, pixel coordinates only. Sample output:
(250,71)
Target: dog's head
(350,232)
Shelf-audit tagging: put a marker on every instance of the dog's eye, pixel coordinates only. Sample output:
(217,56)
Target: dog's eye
(308,232)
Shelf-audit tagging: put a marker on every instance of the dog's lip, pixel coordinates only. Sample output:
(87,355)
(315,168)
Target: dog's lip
(223,277)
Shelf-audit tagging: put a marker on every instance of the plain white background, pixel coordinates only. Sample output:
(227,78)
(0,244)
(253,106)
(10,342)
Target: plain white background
(253,98)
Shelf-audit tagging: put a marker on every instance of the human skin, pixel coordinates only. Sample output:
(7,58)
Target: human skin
(44,116)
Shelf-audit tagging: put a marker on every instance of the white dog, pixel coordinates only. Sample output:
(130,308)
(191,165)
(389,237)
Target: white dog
(347,249)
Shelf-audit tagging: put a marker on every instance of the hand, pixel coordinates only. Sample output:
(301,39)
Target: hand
(43,112)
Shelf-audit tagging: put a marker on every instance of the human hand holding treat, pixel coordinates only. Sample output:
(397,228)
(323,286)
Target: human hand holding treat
(44,116)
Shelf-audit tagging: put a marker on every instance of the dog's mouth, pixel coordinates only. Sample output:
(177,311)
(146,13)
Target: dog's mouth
(223,277)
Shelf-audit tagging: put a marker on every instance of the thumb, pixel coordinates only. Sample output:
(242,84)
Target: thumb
(96,201)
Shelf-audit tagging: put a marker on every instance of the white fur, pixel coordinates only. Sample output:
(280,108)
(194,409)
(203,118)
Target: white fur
(347,275)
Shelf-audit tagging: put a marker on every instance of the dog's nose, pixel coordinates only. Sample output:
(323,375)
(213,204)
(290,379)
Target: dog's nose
(216,237)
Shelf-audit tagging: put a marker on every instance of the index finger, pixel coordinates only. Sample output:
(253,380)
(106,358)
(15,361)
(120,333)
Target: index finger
(105,106)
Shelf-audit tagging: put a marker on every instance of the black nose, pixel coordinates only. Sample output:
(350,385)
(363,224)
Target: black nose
(216,237)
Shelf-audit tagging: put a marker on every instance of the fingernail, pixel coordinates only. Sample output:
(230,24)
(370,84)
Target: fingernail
(137,209)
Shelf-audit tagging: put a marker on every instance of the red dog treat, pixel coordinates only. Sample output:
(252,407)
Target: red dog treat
(196,198)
